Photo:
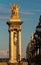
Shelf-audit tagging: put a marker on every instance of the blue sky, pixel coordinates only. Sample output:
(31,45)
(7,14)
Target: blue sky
(29,12)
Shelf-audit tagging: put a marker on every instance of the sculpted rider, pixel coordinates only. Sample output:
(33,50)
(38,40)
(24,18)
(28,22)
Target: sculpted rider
(14,10)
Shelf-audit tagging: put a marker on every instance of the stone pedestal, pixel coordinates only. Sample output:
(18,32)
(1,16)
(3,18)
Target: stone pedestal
(19,63)
(14,40)
(12,63)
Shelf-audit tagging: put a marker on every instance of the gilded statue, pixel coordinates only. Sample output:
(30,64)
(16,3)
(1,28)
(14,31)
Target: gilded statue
(14,10)
(32,38)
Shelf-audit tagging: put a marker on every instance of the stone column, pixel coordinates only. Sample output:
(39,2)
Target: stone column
(12,48)
(19,42)
(11,45)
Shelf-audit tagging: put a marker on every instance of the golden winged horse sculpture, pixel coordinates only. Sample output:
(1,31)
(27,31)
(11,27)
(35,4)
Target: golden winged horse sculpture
(14,10)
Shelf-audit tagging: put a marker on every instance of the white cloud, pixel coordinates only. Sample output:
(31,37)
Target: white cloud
(5,12)
(36,10)
(4,17)
(25,12)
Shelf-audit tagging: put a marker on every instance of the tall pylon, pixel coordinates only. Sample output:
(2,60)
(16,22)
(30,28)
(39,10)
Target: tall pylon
(14,36)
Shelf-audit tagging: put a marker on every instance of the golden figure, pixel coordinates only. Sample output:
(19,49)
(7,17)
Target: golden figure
(32,38)
(14,10)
